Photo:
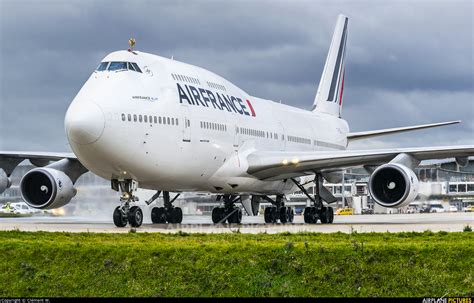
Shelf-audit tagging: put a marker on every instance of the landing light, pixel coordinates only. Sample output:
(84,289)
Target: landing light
(295,161)
(284,162)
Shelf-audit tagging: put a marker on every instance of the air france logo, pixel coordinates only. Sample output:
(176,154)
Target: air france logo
(203,97)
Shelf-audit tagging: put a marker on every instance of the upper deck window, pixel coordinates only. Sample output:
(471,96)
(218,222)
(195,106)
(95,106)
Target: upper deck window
(118,66)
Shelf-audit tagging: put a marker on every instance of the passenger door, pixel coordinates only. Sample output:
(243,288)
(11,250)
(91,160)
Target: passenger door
(186,125)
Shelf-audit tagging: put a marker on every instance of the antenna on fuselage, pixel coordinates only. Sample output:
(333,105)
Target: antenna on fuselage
(131,42)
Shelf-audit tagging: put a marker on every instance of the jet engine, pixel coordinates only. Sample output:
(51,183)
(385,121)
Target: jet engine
(46,188)
(5,183)
(393,185)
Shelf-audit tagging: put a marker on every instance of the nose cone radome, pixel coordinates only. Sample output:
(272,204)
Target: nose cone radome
(84,122)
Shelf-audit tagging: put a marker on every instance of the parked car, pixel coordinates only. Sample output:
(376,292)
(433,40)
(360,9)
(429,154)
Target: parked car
(437,209)
(469,208)
(345,211)
(367,211)
(425,209)
(18,209)
(452,209)
(411,210)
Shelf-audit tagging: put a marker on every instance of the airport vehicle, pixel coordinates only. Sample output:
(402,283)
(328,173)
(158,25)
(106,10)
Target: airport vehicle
(17,209)
(145,121)
(452,208)
(469,208)
(411,210)
(345,211)
(367,211)
(436,208)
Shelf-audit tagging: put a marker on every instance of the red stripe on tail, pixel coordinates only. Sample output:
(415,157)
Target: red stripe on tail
(251,108)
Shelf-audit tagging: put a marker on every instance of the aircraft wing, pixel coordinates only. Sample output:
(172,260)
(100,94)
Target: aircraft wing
(382,132)
(282,165)
(10,159)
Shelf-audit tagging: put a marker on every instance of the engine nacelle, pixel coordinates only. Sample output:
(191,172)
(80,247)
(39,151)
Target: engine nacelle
(393,185)
(46,188)
(5,183)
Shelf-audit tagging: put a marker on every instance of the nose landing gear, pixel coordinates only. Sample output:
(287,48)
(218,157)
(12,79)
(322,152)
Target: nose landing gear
(125,213)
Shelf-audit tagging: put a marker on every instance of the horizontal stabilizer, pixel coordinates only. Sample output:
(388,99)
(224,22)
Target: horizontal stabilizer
(388,131)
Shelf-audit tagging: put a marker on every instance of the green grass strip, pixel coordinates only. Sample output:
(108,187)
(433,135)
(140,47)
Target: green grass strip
(236,265)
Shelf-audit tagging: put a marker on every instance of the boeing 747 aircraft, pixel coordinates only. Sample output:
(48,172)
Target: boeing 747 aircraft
(146,121)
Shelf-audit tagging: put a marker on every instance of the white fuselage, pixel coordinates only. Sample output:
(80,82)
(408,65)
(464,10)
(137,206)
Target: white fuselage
(203,144)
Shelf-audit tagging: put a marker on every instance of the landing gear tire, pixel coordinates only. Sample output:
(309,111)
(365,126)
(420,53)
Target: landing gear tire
(324,215)
(291,214)
(236,217)
(270,214)
(310,215)
(120,220)
(284,215)
(327,215)
(217,214)
(158,215)
(135,216)
(330,215)
(176,215)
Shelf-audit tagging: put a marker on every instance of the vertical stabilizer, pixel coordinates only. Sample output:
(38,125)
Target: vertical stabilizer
(331,87)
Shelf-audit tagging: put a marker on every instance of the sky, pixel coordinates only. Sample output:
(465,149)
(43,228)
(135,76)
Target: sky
(407,62)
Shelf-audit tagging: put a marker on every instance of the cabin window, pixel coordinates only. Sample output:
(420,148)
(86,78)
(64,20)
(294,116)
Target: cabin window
(129,117)
(123,117)
(159,120)
(140,118)
(145,118)
(154,119)
(134,117)
(168,120)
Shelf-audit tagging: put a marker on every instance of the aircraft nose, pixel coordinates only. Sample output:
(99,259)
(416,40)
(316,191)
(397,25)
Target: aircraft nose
(84,122)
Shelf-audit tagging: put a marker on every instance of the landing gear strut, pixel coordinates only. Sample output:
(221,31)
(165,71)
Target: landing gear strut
(317,212)
(125,213)
(167,213)
(229,212)
(278,211)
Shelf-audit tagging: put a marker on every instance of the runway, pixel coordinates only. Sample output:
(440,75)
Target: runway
(450,222)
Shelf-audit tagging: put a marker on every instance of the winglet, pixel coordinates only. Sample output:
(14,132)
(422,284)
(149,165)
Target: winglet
(381,132)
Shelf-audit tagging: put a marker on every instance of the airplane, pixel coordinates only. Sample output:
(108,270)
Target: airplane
(145,121)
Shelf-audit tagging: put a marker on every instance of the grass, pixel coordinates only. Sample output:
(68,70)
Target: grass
(305,264)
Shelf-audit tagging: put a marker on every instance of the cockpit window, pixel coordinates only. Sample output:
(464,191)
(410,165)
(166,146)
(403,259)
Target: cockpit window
(102,66)
(117,66)
(136,67)
(130,66)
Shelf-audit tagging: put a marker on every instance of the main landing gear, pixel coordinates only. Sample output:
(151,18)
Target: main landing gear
(278,211)
(229,212)
(318,211)
(168,213)
(125,213)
